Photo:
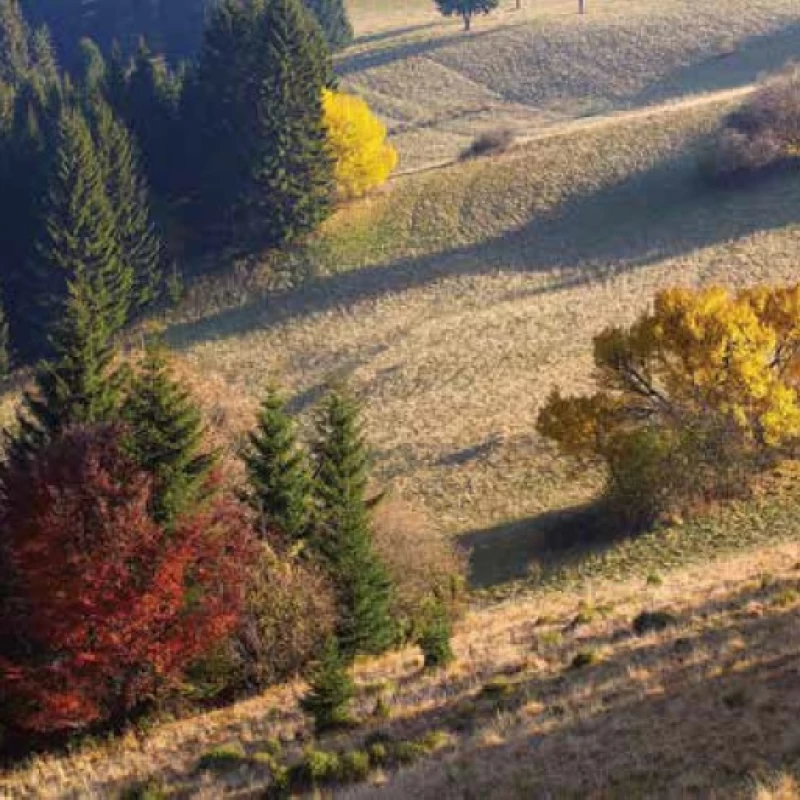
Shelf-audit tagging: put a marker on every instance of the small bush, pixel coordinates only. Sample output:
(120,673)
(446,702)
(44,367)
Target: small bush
(489,143)
(330,692)
(435,640)
(653,621)
(764,132)
(585,658)
(426,570)
(319,766)
(148,790)
(355,766)
(221,759)
(405,753)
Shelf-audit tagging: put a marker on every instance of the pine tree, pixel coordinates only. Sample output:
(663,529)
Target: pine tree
(15,58)
(5,354)
(259,81)
(343,536)
(435,638)
(139,246)
(93,70)
(79,235)
(330,691)
(277,473)
(78,384)
(333,19)
(166,438)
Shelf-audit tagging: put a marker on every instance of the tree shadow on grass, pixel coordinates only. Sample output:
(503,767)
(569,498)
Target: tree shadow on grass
(661,213)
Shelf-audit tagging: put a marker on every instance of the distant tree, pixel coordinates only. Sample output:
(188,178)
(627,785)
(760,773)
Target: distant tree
(258,83)
(5,345)
(92,69)
(364,159)
(343,536)
(466,9)
(279,484)
(333,19)
(105,610)
(166,438)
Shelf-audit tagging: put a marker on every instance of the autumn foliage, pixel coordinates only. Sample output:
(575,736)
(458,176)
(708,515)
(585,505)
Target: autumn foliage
(363,157)
(104,610)
(694,398)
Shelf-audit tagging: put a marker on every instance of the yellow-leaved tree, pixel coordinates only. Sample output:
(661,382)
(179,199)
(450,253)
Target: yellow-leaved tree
(363,157)
(693,399)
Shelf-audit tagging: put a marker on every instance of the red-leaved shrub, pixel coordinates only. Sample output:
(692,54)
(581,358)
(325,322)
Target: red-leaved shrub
(111,608)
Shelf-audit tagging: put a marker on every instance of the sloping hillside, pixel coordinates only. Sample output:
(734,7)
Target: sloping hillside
(437,87)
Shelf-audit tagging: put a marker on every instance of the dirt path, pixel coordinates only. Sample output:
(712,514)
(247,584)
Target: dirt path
(591,123)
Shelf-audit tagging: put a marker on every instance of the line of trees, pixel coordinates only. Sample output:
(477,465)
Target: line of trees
(249,146)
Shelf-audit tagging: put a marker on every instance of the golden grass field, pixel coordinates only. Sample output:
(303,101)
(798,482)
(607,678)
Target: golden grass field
(452,301)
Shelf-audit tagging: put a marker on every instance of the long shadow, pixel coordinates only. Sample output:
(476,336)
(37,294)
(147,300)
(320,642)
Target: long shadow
(664,212)
(385,56)
(394,33)
(744,64)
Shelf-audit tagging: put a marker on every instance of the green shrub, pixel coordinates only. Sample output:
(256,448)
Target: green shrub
(585,658)
(355,766)
(331,690)
(435,639)
(378,754)
(222,758)
(319,766)
(653,621)
(405,753)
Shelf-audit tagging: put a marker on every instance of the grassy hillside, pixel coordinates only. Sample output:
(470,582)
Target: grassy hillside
(555,694)
(437,86)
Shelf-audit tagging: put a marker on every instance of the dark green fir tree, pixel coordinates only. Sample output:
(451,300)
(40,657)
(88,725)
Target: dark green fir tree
(279,483)
(343,535)
(259,81)
(166,437)
(333,19)
(330,691)
(78,237)
(140,247)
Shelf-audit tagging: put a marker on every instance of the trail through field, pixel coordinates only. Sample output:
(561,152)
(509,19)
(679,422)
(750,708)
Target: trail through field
(557,130)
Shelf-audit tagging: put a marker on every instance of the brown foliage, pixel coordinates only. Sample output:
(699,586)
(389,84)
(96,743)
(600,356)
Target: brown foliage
(107,608)
(426,569)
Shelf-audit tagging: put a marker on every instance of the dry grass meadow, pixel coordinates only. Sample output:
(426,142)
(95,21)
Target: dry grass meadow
(452,301)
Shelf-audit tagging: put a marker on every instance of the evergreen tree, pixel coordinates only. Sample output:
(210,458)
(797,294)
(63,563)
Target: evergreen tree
(78,385)
(5,355)
(139,245)
(277,473)
(333,19)
(435,638)
(330,691)
(343,536)
(14,44)
(43,58)
(78,239)
(259,83)
(166,438)
(92,68)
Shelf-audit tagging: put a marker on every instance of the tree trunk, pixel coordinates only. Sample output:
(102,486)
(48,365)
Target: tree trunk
(467,20)
(581,6)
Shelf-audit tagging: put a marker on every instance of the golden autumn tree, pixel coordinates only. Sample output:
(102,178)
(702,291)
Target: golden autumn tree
(693,399)
(363,157)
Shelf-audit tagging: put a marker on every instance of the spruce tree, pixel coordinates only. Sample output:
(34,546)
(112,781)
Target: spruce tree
(278,479)
(343,536)
(166,438)
(78,384)
(78,237)
(332,18)
(15,58)
(139,245)
(259,80)
(330,691)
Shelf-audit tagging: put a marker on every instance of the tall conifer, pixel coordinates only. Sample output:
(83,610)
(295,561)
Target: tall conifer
(166,437)
(277,472)
(139,245)
(333,19)
(342,528)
